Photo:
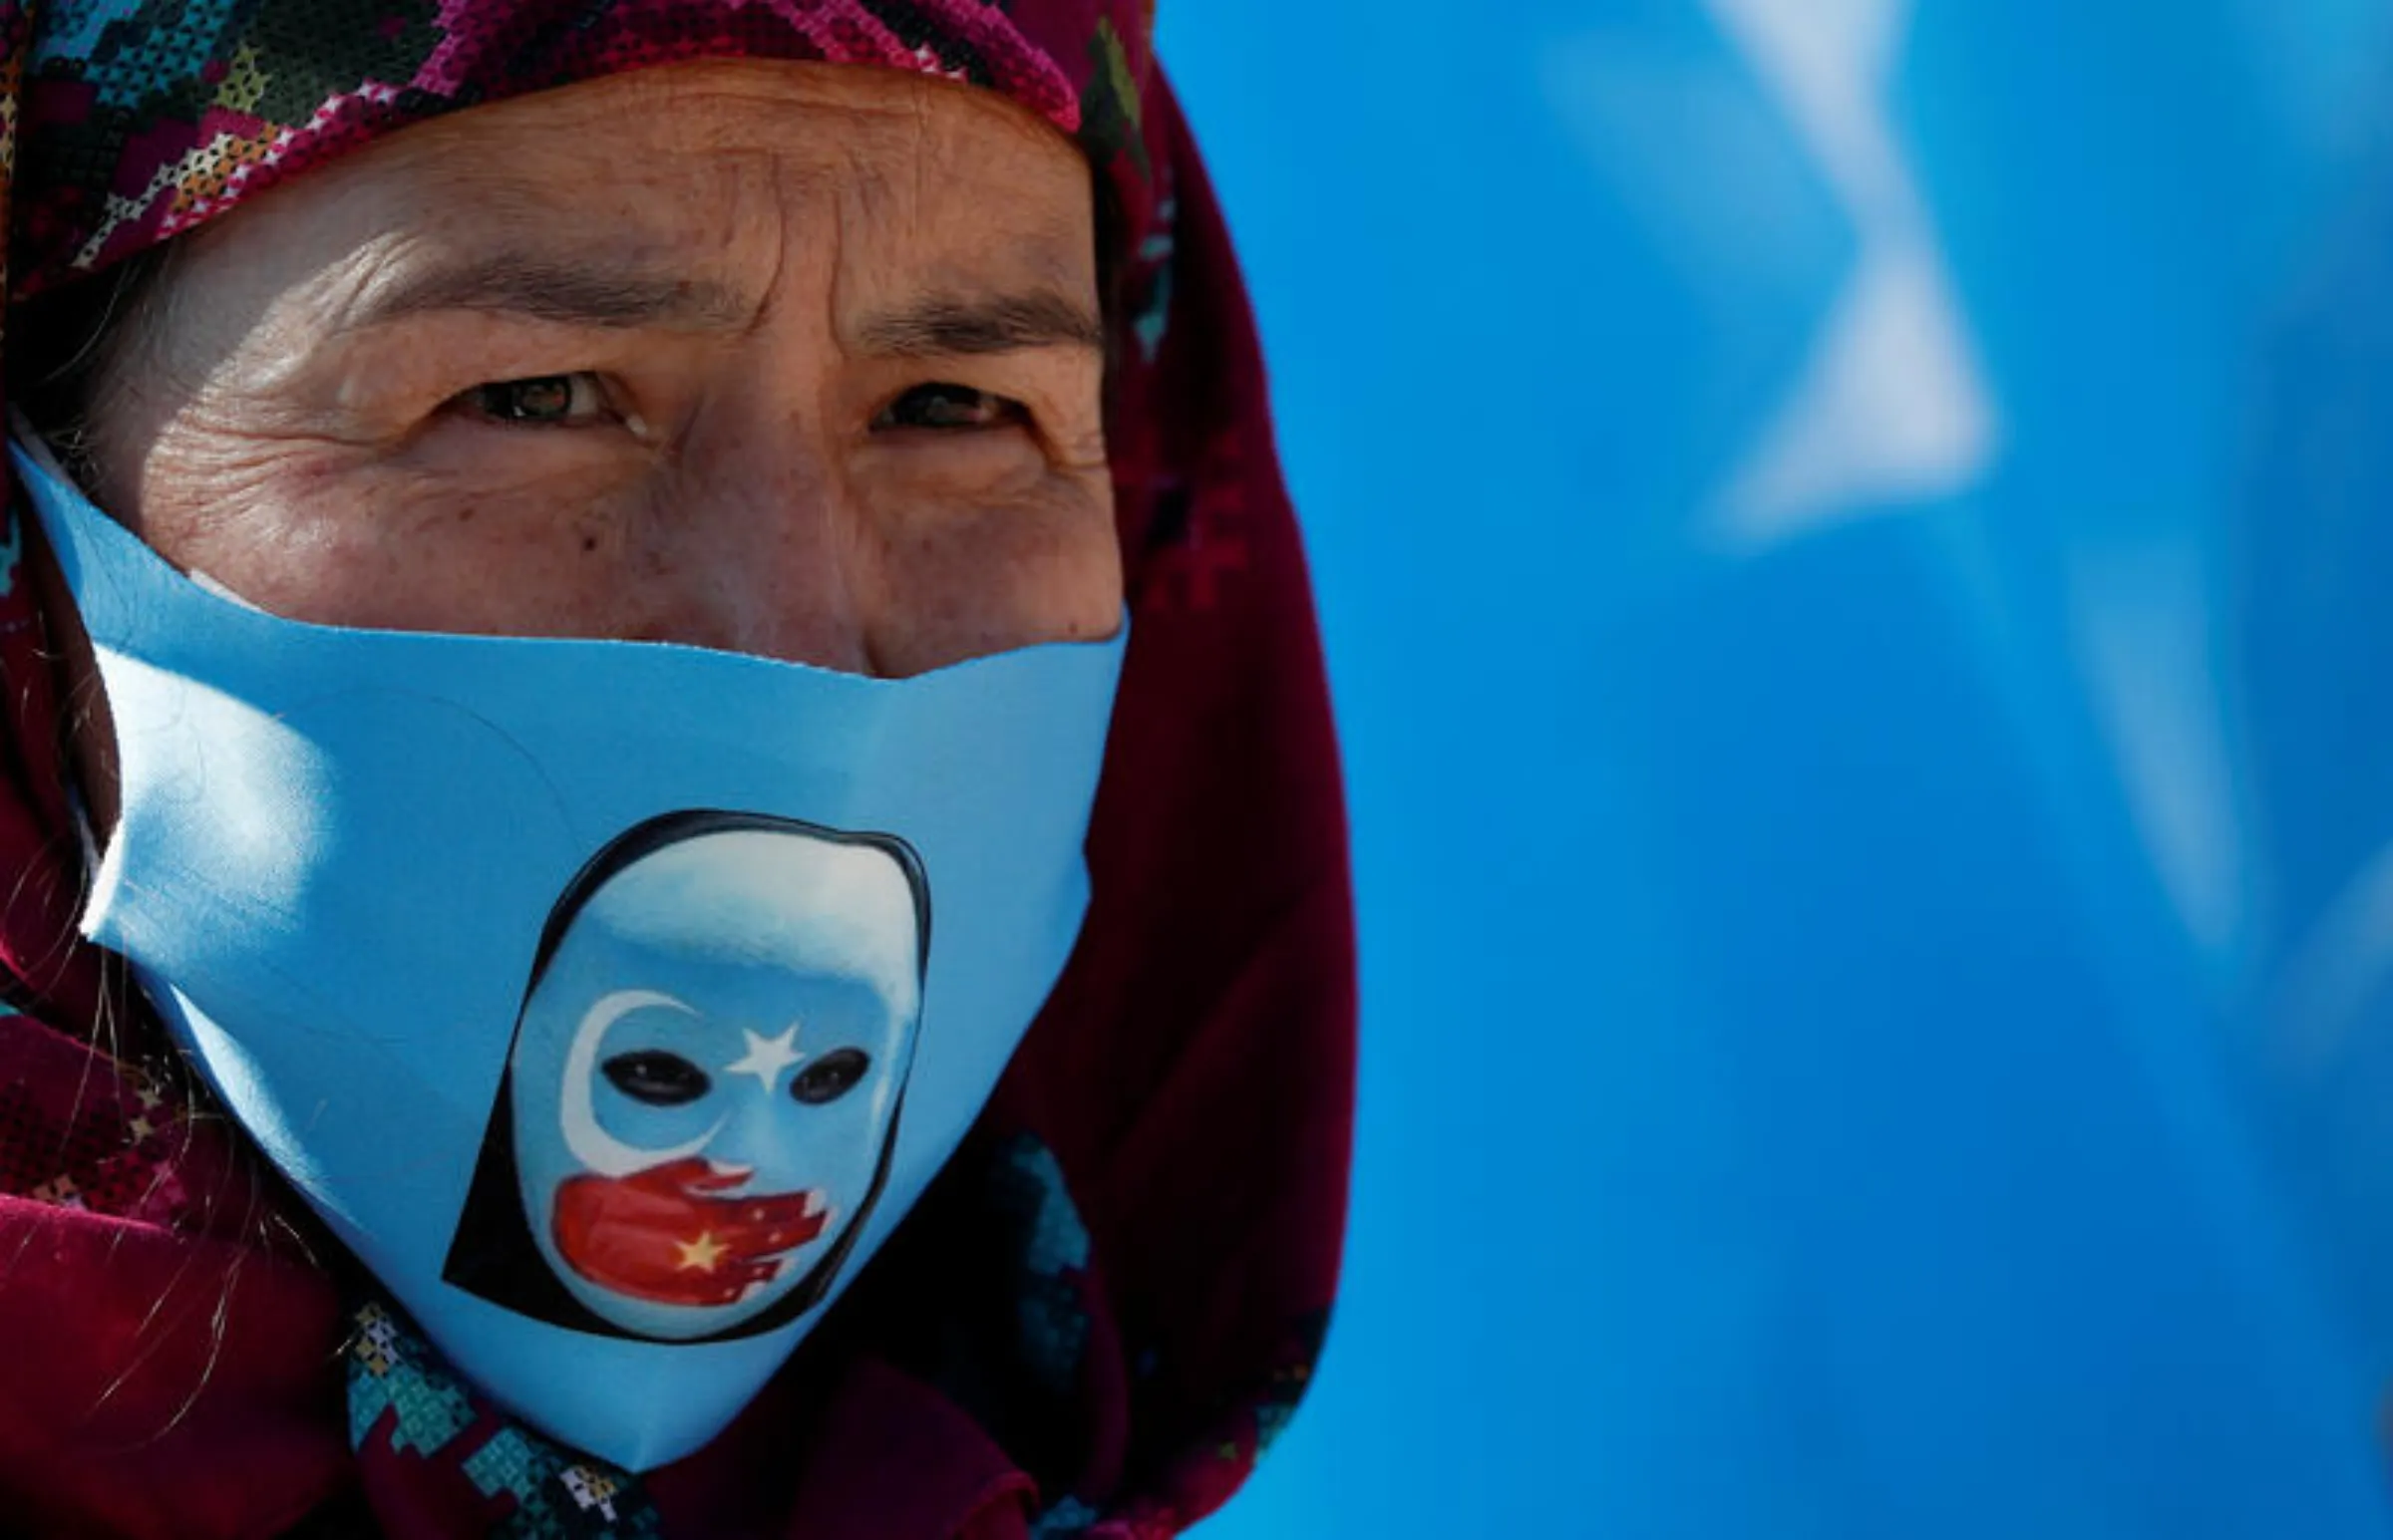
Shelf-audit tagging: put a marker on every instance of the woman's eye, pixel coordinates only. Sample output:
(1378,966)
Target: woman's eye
(949,407)
(657,1078)
(539,400)
(831,1076)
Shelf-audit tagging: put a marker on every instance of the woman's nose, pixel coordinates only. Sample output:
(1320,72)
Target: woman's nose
(787,539)
(813,573)
(768,554)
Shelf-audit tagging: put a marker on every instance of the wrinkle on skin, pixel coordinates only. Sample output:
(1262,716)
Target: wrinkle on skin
(267,431)
(764,256)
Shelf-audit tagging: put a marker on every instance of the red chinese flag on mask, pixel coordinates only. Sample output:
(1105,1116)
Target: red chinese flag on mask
(667,1233)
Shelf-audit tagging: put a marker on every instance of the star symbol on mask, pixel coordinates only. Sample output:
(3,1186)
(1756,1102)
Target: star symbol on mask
(700,1255)
(767,1056)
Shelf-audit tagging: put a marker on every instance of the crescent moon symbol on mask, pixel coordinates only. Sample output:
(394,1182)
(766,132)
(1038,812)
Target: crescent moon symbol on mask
(578,1115)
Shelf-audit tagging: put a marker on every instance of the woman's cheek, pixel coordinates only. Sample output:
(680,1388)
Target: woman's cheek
(984,576)
(440,551)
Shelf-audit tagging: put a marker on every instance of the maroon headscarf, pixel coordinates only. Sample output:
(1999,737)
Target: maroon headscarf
(1113,1296)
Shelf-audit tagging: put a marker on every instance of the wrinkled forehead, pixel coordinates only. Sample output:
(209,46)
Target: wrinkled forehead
(135,121)
(685,195)
(746,902)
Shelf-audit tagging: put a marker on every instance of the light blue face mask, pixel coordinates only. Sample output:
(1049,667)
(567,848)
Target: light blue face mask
(590,991)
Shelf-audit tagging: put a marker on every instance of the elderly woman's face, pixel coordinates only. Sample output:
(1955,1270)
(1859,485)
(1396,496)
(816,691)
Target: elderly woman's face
(792,360)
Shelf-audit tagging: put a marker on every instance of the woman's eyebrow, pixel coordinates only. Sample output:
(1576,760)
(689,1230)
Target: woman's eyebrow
(616,298)
(548,290)
(951,326)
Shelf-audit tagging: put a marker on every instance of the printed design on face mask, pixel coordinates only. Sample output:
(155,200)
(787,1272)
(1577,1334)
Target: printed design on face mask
(661,1234)
(702,1092)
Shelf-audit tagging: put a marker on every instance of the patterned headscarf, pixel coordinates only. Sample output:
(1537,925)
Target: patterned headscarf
(1111,1299)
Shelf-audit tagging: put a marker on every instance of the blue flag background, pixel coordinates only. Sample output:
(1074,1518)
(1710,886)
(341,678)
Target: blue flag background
(1855,543)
